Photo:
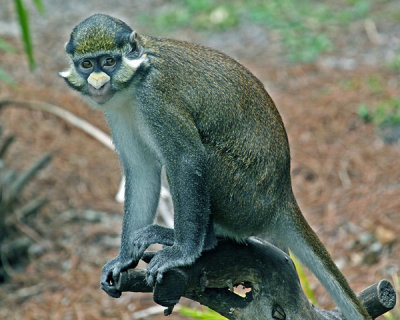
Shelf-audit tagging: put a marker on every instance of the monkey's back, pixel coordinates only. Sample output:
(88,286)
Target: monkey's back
(249,162)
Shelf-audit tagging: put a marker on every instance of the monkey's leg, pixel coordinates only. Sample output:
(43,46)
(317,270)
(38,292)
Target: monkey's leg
(191,221)
(210,240)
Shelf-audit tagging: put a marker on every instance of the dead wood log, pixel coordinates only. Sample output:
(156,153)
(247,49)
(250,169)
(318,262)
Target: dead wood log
(268,273)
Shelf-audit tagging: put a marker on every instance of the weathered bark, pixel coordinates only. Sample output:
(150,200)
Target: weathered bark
(269,273)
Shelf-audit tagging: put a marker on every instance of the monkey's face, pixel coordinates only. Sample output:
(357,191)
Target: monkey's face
(104,55)
(97,73)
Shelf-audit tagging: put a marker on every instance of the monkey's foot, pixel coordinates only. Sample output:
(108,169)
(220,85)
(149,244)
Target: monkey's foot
(110,274)
(168,258)
(149,235)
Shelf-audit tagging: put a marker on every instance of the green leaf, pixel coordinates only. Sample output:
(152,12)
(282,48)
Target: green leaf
(364,113)
(208,314)
(26,35)
(305,284)
(389,316)
(5,46)
(39,6)
(6,78)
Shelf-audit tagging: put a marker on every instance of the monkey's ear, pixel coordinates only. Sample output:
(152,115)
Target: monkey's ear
(132,37)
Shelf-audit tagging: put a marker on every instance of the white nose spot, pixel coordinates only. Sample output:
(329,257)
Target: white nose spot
(98,79)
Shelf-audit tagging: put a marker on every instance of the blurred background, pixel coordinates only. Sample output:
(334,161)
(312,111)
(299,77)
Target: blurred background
(332,68)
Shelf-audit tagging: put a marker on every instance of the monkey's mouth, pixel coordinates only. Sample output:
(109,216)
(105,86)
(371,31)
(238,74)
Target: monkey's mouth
(101,95)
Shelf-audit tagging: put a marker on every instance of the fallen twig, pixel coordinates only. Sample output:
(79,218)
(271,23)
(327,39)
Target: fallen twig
(65,115)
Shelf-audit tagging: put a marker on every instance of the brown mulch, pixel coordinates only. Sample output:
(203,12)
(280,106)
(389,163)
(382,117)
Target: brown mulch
(346,179)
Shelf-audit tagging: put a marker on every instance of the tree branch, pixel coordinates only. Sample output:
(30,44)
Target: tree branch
(267,272)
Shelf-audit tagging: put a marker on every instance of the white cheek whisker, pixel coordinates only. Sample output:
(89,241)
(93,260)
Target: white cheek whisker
(135,63)
(65,74)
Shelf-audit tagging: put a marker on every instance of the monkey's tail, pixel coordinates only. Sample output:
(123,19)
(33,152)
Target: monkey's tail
(307,247)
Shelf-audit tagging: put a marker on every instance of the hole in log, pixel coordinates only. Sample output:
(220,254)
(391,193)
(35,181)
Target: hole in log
(243,290)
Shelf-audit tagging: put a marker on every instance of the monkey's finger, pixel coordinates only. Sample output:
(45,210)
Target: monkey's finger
(151,277)
(150,280)
(106,277)
(147,256)
(159,277)
(110,290)
(115,274)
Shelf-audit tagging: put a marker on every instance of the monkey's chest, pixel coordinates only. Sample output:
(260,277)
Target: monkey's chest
(132,137)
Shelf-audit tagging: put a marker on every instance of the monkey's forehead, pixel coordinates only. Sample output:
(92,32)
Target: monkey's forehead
(98,33)
(95,39)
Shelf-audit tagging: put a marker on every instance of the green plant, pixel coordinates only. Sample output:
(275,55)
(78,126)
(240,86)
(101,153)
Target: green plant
(305,284)
(385,113)
(395,63)
(364,113)
(302,25)
(209,314)
(23,20)
(206,314)
(199,15)
(375,84)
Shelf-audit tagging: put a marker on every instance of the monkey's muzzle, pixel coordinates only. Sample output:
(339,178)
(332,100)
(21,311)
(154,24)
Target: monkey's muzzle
(99,87)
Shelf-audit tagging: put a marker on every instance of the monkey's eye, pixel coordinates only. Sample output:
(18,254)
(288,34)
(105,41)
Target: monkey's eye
(109,62)
(86,64)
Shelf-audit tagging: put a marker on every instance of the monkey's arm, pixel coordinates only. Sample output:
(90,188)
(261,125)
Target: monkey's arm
(142,191)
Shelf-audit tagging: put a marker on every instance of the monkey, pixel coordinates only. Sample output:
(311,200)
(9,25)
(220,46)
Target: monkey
(211,124)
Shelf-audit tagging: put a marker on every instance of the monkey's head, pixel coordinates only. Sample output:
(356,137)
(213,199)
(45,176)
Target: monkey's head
(105,55)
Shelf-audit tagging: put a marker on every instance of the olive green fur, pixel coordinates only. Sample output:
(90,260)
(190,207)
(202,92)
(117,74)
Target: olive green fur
(99,33)
(240,129)
(248,169)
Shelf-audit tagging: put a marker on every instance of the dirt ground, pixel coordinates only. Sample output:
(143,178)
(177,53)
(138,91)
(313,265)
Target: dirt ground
(346,179)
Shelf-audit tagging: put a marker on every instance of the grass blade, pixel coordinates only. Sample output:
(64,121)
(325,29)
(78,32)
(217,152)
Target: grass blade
(207,314)
(39,6)
(26,35)
(305,284)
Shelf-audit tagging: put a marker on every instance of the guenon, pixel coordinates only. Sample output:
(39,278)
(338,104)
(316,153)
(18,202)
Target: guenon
(212,125)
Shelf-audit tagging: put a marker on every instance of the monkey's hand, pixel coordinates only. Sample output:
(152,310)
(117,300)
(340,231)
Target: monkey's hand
(139,243)
(168,258)
(110,274)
